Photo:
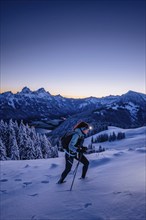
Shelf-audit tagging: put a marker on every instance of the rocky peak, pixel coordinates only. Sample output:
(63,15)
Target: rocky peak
(25,90)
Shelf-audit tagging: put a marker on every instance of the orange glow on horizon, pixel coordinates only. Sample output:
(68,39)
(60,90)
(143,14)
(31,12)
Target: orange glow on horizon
(14,91)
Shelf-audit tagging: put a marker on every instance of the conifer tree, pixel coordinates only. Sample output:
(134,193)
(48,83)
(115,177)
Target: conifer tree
(44,147)
(11,137)
(37,147)
(29,150)
(2,151)
(113,136)
(4,134)
(14,149)
(22,140)
(2,130)
(16,129)
(53,150)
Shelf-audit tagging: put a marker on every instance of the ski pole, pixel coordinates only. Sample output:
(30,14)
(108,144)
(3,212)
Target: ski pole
(75,172)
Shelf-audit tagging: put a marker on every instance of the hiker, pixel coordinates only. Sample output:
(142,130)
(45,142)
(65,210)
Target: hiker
(76,150)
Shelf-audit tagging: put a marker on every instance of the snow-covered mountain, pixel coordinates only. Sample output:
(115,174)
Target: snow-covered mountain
(128,109)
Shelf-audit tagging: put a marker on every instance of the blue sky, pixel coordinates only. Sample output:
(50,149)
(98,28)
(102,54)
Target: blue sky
(73,48)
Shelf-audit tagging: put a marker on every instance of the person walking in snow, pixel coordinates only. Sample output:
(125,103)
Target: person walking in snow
(76,150)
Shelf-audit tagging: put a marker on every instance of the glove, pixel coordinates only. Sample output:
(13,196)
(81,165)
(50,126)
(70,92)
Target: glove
(82,149)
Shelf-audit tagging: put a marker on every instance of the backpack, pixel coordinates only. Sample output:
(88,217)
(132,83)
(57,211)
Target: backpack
(65,140)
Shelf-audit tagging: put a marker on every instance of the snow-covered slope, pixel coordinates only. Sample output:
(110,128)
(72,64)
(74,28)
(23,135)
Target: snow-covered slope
(114,189)
(133,138)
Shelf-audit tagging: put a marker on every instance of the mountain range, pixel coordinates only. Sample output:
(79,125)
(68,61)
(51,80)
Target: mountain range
(42,109)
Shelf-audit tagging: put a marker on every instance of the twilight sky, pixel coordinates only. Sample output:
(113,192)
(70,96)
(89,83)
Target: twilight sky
(73,48)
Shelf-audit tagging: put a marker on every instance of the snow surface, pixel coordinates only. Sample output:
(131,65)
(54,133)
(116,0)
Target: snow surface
(134,138)
(114,189)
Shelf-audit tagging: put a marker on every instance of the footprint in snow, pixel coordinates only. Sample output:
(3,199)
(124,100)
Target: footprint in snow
(26,166)
(27,183)
(54,165)
(33,217)
(116,193)
(3,180)
(36,194)
(3,191)
(87,204)
(118,154)
(44,181)
(18,180)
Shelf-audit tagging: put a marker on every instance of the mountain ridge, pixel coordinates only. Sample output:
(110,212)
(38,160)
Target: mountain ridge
(127,110)
(28,90)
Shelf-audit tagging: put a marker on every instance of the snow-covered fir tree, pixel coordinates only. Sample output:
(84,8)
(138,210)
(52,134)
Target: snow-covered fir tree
(22,142)
(2,130)
(37,146)
(29,150)
(2,151)
(4,134)
(46,151)
(16,129)
(10,138)
(54,151)
(13,146)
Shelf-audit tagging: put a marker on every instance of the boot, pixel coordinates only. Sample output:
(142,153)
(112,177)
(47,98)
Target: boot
(61,181)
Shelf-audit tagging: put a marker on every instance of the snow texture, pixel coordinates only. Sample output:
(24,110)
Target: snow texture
(113,190)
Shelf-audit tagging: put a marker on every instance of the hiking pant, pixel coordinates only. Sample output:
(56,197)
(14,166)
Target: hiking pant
(69,162)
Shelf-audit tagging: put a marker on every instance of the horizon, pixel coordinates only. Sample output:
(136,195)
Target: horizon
(74,48)
(14,91)
(32,90)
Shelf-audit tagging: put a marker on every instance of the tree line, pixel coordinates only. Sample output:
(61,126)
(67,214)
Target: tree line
(21,142)
(106,137)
